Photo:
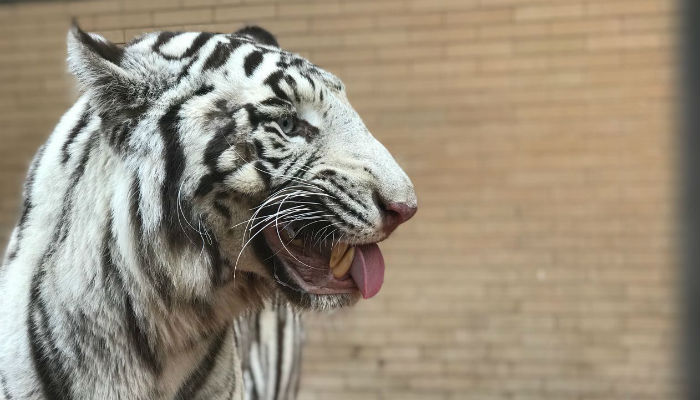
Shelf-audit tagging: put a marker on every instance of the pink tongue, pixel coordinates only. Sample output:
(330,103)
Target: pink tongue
(367,269)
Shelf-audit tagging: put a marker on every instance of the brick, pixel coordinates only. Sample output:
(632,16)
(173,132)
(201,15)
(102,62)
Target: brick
(480,17)
(93,7)
(140,5)
(243,13)
(314,9)
(566,44)
(627,7)
(332,24)
(373,7)
(177,17)
(633,41)
(586,26)
(515,31)
(548,11)
(480,49)
(423,5)
(409,20)
(121,21)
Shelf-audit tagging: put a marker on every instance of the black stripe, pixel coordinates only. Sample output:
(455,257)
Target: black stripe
(273,81)
(204,89)
(139,339)
(263,172)
(207,182)
(154,273)
(277,145)
(299,62)
(305,130)
(275,161)
(120,134)
(79,170)
(339,186)
(259,148)
(197,44)
(199,376)
(109,51)
(311,81)
(186,70)
(75,331)
(254,115)
(261,153)
(280,353)
(5,389)
(111,276)
(270,129)
(305,167)
(293,84)
(291,164)
(135,209)
(216,146)
(319,204)
(54,382)
(215,262)
(251,62)
(82,122)
(275,102)
(218,56)
(163,38)
(349,210)
(298,348)
(174,157)
(27,205)
(49,363)
(223,210)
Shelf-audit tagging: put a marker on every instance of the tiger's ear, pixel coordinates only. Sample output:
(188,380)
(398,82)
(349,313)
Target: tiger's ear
(95,61)
(259,35)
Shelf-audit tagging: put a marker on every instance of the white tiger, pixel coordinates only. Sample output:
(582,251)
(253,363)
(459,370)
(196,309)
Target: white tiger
(198,175)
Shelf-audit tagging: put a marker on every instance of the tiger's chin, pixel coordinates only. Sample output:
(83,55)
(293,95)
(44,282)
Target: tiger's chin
(318,274)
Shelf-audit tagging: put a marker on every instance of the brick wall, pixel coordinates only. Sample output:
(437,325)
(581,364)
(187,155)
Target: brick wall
(539,136)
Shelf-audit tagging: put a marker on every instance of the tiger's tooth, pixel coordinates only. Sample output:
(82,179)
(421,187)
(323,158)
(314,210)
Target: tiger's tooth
(337,253)
(288,232)
(344,264)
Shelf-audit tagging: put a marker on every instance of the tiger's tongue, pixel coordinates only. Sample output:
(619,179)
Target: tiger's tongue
(367,269)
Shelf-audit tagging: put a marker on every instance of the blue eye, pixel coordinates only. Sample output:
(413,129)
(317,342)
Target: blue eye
(286,123)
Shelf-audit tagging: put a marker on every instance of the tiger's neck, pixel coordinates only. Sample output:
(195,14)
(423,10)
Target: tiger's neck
(111,284)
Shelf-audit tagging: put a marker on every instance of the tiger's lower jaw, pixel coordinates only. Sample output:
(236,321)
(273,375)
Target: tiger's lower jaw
(317,277)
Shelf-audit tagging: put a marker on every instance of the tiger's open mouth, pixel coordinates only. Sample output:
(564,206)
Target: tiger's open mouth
(324,268)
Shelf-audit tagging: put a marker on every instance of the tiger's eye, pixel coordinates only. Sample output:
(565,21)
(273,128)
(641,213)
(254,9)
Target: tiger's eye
(286,123)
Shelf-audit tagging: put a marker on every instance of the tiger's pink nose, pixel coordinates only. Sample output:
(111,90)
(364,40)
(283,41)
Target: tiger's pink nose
(396,214)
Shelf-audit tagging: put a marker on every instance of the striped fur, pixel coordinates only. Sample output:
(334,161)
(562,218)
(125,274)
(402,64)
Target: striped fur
(130,261)
(270,343)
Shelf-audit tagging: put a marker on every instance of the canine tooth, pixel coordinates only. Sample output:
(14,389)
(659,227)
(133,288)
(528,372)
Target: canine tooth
(337,253)
(344,264)
(289,231)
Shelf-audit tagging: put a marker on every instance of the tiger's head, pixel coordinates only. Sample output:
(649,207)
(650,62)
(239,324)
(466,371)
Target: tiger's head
(252,156)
